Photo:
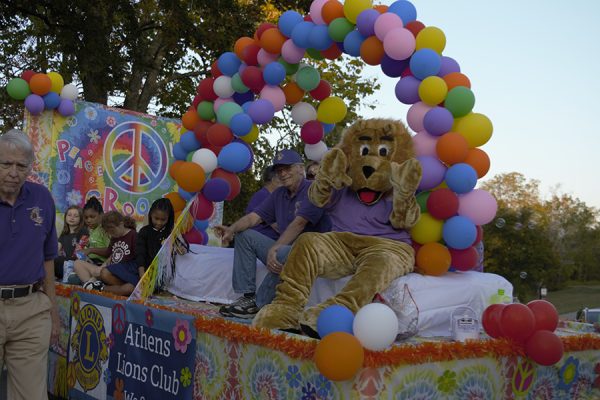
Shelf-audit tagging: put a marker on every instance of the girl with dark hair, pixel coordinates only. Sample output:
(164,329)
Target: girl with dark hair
(97,248)
(161,219)
(73,235)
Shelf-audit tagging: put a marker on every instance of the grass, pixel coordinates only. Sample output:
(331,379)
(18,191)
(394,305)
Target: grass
(576,297)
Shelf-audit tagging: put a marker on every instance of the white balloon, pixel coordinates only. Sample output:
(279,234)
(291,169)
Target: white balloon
(222,87)
(375,326)
(315,152)
(206,159)
(303,112)
(70,92)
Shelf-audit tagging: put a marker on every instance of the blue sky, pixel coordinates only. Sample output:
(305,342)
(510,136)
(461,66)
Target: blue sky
(534,67)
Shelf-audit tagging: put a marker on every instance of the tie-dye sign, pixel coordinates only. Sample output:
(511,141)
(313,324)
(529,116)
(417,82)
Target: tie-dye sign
(121,157)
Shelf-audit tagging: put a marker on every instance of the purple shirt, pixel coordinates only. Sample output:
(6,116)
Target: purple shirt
(255,201)
(349,214)
(27,236)
(282,208)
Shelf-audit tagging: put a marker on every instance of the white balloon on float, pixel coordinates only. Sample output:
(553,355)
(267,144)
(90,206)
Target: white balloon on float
(206,159)
(222,87)
(303,112)
(375,326)
(315,152)
(70,92)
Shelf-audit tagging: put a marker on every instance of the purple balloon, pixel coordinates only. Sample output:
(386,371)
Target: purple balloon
(66,107)
(34,104)
(407,90)
(365,22)
(438,121)
(261,111)
(393,68)
(449,65)
(216,189)
(433,172)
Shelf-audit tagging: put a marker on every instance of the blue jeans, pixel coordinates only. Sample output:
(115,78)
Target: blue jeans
(249,246)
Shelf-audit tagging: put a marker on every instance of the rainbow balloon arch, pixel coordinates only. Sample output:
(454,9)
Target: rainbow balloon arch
(265,74)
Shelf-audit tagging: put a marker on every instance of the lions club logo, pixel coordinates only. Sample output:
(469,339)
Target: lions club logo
(89,344)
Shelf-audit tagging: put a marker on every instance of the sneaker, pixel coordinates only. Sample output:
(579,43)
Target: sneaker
(244,307)
(94,285)
(224,311)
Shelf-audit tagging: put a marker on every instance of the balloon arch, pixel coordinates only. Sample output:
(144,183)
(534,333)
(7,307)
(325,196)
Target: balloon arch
(265,73)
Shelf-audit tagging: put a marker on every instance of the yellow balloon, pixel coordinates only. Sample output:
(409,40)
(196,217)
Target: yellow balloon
(427,229)
(475,127)
(331,110)
(433,90)
(251,136)
(354,7)
(57,82)
(431,38)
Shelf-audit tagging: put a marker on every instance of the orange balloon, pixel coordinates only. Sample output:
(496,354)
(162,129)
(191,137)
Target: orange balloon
(381,8)
(176,200)
(331,10)
(371,50)
(177,214)
(293,93)
(190,119)
(339,356)
(40,84)
(174,167)
(433,259)
(240,45)
(272,40)
(190,177)
(452,148)
(454,79)
(479,160)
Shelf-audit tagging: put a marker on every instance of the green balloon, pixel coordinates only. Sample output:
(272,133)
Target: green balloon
(339,28)
(289,68)
(460,101)
(314,54)
(228,110)
(205,110)
(189,156)
(308,78)
(18,89)
(237,84)
(422,200)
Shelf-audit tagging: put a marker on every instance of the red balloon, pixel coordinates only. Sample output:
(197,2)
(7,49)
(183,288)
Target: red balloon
(406,72)
(201,208)
(479,236)
(464,260)
(545,314)
(491,320)
(253,78)
(332,53)
(442,204)
(517,322)
(214,70)
(193,236)
(544,347)
(322,91)
(219,135)
(415,27)
(234,181)
(250,54)
(206,91)
(312,132)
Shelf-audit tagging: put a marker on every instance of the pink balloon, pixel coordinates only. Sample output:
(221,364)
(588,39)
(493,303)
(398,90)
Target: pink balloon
(399,44)
(312,132)
(385,23)
(315,11)
(275,95)
(220,101)
(265,57)
(477,205)
(291,53)
(424,144)
(415,116)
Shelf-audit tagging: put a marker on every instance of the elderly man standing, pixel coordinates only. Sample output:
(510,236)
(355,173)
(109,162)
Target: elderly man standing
(288,207)
(28,246)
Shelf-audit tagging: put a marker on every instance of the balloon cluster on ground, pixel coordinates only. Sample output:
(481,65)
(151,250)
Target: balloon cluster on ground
(265,73)
(531,326)
(41,92)
(344,336)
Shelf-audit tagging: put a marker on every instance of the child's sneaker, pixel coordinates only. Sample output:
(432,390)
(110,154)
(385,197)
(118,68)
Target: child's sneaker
(94,285)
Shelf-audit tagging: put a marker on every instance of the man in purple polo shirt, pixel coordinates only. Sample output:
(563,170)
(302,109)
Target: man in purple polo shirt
(270,183)
(28,246)
(288,207)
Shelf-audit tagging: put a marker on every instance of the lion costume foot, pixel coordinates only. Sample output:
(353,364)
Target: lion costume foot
(278,316)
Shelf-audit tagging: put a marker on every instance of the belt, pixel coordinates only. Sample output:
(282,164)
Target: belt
(12,292)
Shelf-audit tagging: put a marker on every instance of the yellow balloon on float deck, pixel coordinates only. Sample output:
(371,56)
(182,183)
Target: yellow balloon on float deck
(57,82)
(475,127)
(433,90)
(431,38)
(427,229)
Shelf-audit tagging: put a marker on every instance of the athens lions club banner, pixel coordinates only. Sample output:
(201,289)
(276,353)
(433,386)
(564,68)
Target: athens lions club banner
(119,156)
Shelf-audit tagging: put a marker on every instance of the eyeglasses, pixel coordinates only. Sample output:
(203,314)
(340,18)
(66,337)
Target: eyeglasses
(5,165)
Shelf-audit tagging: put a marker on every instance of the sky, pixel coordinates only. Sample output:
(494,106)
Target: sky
(534,68)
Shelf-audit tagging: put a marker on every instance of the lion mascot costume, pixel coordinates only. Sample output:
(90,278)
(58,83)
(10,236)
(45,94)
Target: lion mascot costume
(367,183)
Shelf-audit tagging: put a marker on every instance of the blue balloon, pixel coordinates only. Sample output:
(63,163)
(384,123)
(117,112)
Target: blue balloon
(319,38)
(424,63)
(246,106)
(261,111)
(187,196)
(335,318)
(179,152)
(459,232)
(201,225)
(301,34)
(240,124)
(365,22)
(327,127)
(405,10)
(461,178)
(242,98)
(352,43)
(288,20)
(228,63)
(274,73)
(234,157)
(51,100)
(216,189)
(189,142)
